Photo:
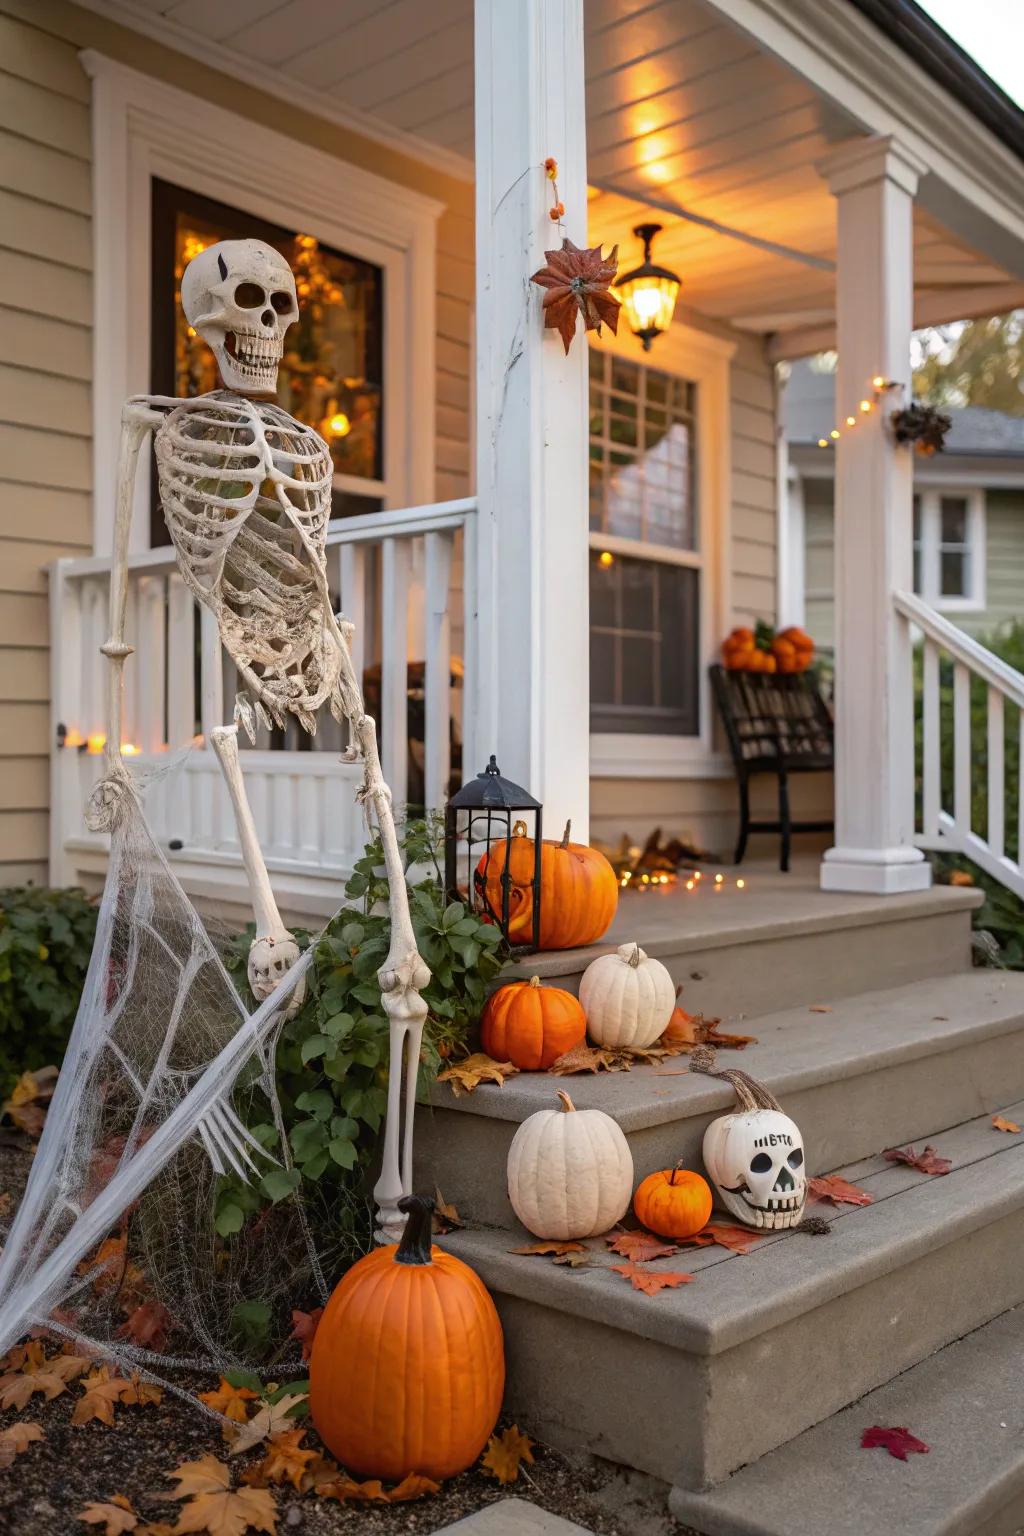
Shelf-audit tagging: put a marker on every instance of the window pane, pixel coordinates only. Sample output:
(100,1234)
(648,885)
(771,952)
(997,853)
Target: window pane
(954,574)
(641,422)
(917,569)
(917,519)
(954,520)
(644,618)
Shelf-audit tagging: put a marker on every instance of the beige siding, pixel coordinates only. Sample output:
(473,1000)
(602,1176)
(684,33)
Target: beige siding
(752,411)
(819,555)
(45,352)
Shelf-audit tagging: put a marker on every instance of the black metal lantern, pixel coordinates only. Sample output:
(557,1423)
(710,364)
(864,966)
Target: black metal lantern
(502,851)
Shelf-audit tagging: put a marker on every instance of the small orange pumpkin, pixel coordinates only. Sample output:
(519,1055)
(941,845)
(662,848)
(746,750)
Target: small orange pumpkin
(408,1364)
(578,895)
(674,1202)
(530,1025)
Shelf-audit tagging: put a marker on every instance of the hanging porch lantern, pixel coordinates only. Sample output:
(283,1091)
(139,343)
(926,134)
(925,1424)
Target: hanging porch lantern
(492,828)
(648,293)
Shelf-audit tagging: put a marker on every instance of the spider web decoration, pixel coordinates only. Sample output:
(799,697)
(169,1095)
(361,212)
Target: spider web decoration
(164,1079)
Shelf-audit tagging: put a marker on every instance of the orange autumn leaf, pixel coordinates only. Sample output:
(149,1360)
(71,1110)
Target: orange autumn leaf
(640,1245)
(414,1486)
(304,1326)
(651,1281)
(214,1507)
(588,1058)
(285,1461)
(26,1106)
(115,1517)
(230,1401)
(505,1453)
(736,1239)
(831,1187)
(446,1217)
(269,1419)
(17,1438)
(479,1068)
(102,1392)
(33,1373)
(1000,1123)
(550,1248)
(147,1325)
(347,1490)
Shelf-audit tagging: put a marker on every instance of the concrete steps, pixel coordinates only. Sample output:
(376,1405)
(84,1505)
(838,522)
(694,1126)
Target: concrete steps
(885,1067)
(966,1403)
(697,1381)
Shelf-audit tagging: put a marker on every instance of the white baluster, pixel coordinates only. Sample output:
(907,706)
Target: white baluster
(438,659)
(352,584)
(150,662)
(1020,789)
(962,749)
(132,690)
(471,749)
(394,682)
(996,773)
(181,663)
(931,767)
(65,709)
(211,675)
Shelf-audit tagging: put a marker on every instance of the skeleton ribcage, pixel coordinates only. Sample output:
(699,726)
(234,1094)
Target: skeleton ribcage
(246,494)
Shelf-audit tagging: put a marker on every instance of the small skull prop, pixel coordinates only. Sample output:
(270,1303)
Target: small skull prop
(240,296)
(756,1161)
(270,960)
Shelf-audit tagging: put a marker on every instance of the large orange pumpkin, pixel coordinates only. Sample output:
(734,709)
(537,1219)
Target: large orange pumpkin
(578,897)
(408,1364)
(673,1202)
(530,1025)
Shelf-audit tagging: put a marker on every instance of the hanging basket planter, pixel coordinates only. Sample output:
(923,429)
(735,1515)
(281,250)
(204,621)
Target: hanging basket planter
(923,426)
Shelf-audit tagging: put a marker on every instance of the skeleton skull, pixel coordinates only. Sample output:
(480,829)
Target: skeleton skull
(270,960)
(756,1161)
(240,296)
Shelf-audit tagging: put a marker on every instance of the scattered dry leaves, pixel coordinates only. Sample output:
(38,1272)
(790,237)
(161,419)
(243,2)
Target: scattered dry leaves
(231,1401)
(898,1441)
(651,1281)
(214,1507)
(927,1161)
(639,1245)
(17,1438)
(446,1217)
(505,1453)
(30,1095)
(115,1517)
(102,1392)
(147,1325)
(346,1490)
(29,1371)
(286,1461)
(736,1239)
(270,1420)
(304,1326)
(1000,1123)
(466,1075)
(589,1058)
(831,1187)
(687,1030)
(573,1255)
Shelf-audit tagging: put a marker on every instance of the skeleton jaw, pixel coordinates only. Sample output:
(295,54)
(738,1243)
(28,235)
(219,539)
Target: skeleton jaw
(248,361)
(781,1211)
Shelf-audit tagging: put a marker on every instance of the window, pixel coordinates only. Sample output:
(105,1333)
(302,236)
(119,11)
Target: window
(645,562)
(331,376)
(949,548)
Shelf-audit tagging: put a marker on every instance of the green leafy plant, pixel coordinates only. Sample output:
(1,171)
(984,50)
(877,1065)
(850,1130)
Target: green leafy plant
(332,1059)
(46,939)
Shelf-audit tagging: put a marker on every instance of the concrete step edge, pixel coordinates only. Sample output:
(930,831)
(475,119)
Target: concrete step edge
(966,1402)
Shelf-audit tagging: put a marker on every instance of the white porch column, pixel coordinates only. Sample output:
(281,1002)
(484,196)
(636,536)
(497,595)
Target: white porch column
(533,699)
(874,182)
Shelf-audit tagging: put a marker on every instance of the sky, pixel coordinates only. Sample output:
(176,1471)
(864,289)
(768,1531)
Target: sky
(992,31)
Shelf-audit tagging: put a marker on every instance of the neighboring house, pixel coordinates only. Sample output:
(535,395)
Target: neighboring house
(135,130)
(968,512)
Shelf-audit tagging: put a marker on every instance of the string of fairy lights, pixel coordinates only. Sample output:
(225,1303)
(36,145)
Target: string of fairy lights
(880,387)
(629,880)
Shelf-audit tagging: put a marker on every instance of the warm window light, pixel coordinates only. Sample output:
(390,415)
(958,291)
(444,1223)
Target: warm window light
(606,558)
(649,292)
(339,425)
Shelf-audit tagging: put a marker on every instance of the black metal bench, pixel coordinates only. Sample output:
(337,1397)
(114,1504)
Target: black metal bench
(775,724)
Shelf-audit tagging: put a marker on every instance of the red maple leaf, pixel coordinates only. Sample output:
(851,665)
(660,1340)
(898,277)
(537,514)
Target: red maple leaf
(304,1326)
(831,1187)
(736,1239)
(577,282)
(927,1161)
(898,1441)
(147,1325)
(639,1245)
(650,1281)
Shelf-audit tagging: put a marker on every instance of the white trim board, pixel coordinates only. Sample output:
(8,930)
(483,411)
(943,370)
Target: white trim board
(143,128)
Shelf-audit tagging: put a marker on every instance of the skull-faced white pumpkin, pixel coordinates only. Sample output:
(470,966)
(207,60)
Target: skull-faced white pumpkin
(570,1172)
(240,296)
(627,998)
(755,1159)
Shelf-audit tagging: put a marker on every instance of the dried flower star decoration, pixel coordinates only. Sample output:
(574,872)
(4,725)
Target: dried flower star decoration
(577,282)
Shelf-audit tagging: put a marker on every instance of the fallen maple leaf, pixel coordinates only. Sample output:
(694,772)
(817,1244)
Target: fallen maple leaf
(346,1489)
(446,1217)
(589,1058)
(231,1401)
(505,1453)
(214,1506)
(639,1245)
(17,1438)
(736,1239)
(286,1461)
(26,1105)
(33,1373)
(650,1281)
(897,1441)
(831,1187)
(466,1075)
(551,1249)
(414,1486)
(927,1161)
(102,1393)
(147,1325)
(268,1421)
(1000,1123)
(115,1517)
(304,1326)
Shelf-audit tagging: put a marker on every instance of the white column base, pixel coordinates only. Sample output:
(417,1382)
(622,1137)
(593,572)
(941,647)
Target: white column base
(876,871)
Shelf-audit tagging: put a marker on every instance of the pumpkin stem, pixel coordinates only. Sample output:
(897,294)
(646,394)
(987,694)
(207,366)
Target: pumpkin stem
(414,1247)
(567,1103)
(565,835)
(677,1169)
(534,981)
(634,959)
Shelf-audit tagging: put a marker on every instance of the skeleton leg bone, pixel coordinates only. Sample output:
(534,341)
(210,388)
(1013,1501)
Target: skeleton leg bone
(273,951)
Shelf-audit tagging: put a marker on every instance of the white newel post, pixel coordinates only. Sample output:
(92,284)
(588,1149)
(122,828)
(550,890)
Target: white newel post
(532,590)
(874,182)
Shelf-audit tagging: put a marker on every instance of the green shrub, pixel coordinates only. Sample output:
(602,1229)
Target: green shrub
(46,939)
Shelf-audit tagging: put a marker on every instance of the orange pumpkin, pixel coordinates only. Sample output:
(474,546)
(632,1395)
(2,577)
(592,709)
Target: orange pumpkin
(408,1364)
(530,1025)
(578,896)
(673,1202)
(797,646)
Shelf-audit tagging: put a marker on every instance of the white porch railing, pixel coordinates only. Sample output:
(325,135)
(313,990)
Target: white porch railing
(404,578)
(948,781)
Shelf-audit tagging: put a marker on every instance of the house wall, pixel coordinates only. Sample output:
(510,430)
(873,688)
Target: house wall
(45,343)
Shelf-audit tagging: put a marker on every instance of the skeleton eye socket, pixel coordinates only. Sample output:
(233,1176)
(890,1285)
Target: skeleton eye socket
(249,296)
(281,301)
(761,1163)
(795,1159)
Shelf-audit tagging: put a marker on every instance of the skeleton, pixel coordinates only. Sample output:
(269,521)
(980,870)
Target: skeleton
(246,491)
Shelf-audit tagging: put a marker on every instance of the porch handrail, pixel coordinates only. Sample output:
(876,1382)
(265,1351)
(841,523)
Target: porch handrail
(952,830)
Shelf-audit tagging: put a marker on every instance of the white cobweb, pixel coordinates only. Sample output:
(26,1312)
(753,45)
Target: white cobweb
(165,1078)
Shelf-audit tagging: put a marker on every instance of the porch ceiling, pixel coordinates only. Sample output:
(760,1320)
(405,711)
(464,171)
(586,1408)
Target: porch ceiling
(686,111)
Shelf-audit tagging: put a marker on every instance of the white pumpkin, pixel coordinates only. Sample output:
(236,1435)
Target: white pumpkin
(628,999)
(570,1172)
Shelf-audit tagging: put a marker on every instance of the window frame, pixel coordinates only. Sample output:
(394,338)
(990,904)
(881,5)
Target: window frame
(930,500)
(703,359)
(144,128)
